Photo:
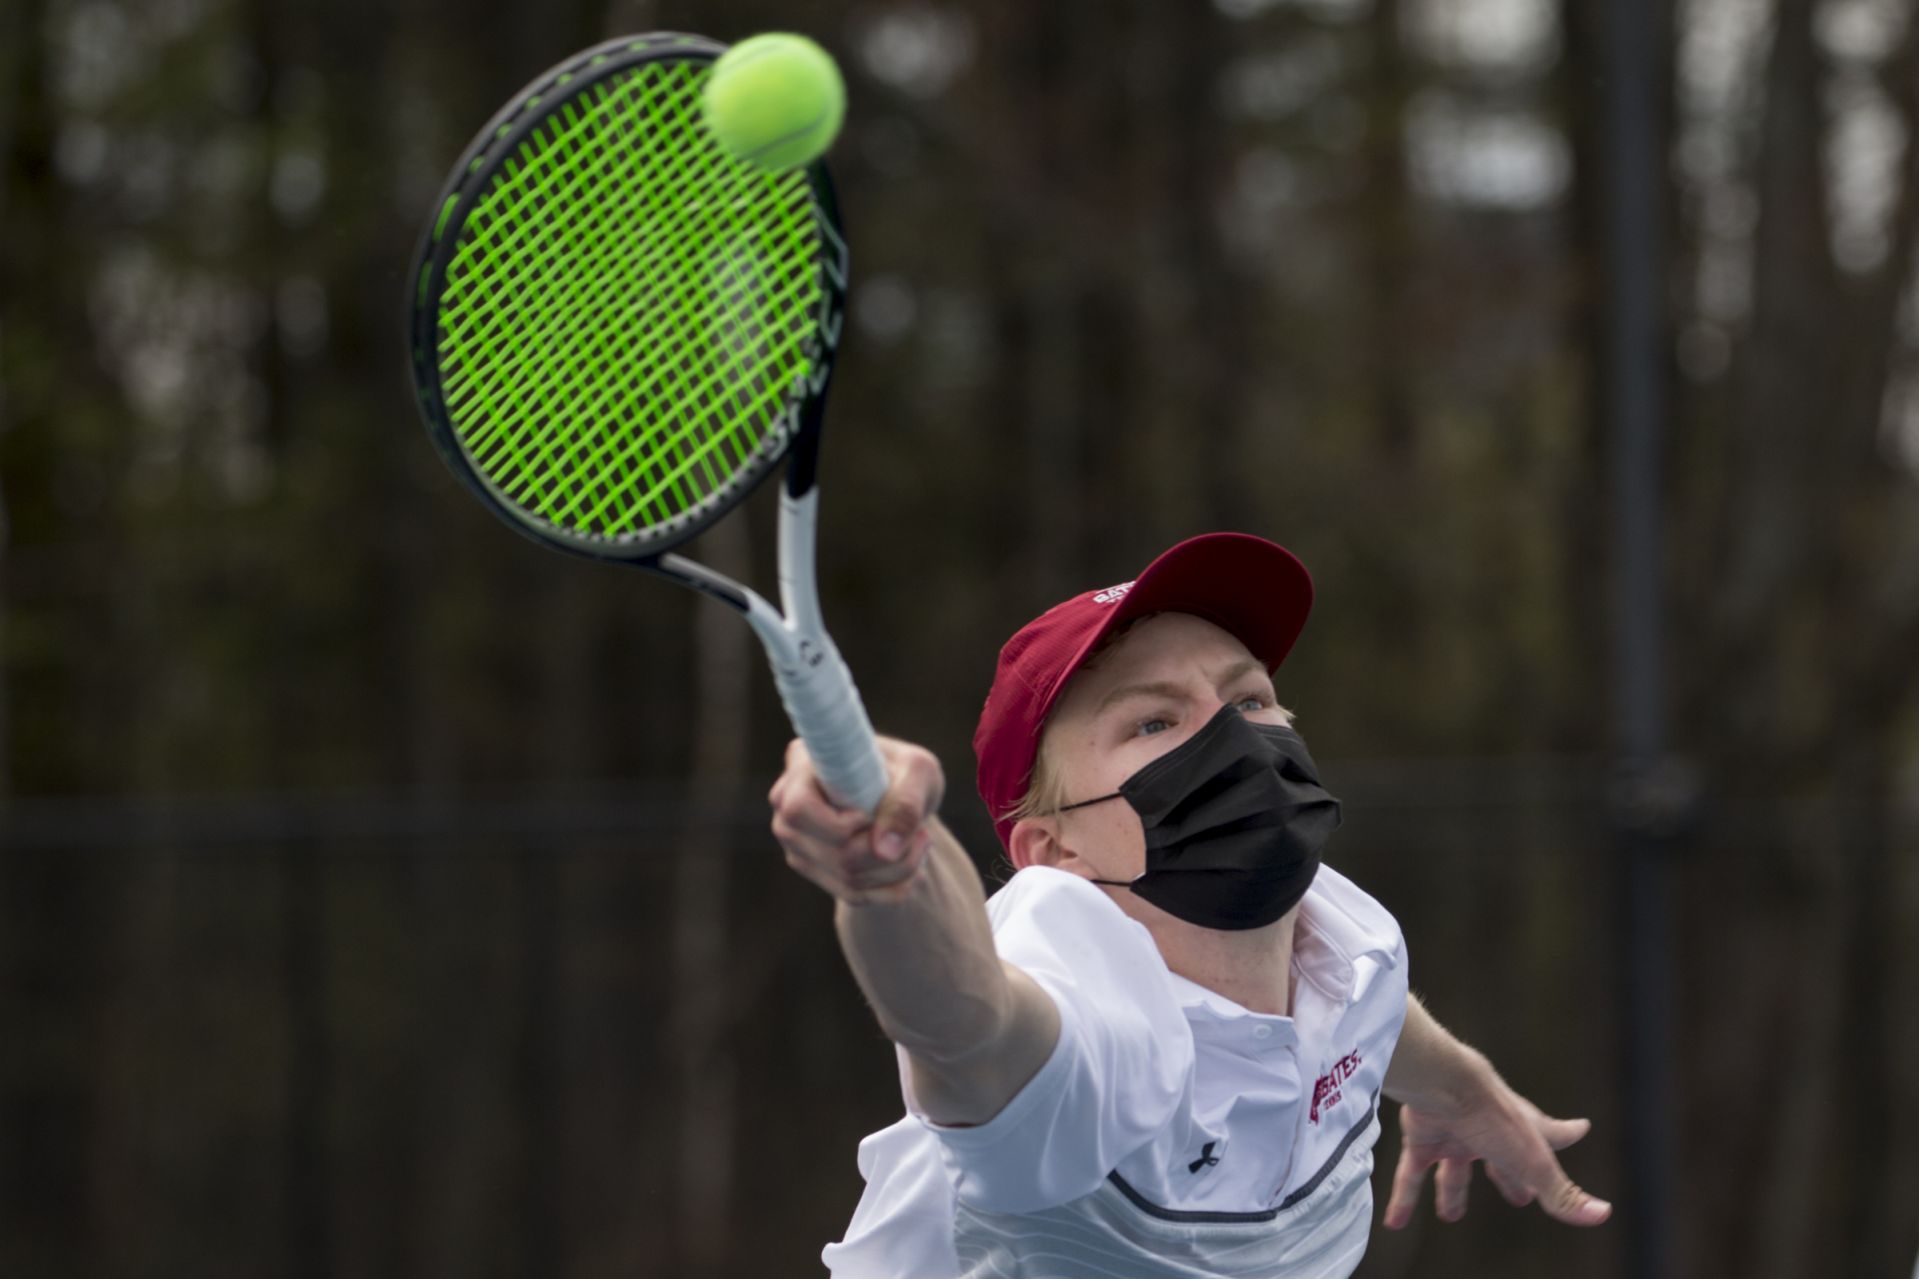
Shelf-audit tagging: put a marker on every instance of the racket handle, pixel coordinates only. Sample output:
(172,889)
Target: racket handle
(826,711)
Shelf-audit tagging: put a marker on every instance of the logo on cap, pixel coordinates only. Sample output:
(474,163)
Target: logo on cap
(1113,594)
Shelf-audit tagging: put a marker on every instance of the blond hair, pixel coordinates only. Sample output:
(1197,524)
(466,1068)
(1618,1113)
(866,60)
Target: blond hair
(1045,792)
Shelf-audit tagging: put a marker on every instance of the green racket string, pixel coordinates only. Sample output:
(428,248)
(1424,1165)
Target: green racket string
(626,310)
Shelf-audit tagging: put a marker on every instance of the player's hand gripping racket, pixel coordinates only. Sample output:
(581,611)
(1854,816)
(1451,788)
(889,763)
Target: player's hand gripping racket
(618,331)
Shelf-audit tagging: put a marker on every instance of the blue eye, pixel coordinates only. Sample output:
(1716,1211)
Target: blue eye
(1145,727)
(1250,702)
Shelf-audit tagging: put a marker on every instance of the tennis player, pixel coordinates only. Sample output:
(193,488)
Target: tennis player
(1161,1048)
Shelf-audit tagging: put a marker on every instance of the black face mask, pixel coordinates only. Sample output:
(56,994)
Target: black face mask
(1234,818)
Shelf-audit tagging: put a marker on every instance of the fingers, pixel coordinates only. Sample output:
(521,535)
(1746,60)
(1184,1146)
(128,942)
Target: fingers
(1408,1179)
(835,850)
(1516,1144)
(799,803)
(860,881)
(914,795)
(1450,1184)
(804,811)
(1547,1181)
(852,856)
(1561,1133)
(1568,1203)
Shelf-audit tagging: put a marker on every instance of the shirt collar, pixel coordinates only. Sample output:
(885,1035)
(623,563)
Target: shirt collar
(1215,1019)
(1339,925)
(1193,995)
(1335,928)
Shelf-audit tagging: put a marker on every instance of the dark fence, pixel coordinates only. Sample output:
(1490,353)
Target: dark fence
(379,1035)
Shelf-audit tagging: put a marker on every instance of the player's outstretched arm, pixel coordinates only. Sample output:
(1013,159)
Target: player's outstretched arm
(912,922)
(1455,1109)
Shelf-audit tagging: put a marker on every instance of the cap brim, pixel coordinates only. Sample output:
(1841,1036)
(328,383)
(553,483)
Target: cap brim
(1255,590)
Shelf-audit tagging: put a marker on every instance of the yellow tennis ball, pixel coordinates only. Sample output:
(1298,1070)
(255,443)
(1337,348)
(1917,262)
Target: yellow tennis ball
(774,101)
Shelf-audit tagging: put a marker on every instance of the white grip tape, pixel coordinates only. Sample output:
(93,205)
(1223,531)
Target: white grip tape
(826,712)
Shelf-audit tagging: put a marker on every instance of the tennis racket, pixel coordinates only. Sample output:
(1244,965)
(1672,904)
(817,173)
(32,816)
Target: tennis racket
(618,331)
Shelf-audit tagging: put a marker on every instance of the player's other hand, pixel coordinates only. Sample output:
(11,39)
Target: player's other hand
(1516,1141)
(858,858)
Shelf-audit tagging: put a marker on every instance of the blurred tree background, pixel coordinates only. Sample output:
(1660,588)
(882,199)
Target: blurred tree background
(381,895)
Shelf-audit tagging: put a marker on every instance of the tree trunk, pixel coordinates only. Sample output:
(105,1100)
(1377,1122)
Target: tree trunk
(1392,251)
(55,912)
(724,671)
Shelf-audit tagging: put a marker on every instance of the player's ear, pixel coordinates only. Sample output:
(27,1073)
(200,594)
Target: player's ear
(1034,841)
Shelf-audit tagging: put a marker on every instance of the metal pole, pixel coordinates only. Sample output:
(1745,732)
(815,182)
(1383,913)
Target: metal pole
(1634,369)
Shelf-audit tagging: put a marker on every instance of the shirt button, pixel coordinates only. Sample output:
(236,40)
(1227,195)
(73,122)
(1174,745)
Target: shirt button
(1262,1031)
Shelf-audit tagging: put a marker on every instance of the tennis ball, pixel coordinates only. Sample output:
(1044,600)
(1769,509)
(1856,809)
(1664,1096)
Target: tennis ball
(774,101)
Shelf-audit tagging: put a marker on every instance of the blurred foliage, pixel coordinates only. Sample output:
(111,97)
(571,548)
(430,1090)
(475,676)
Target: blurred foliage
(351,843)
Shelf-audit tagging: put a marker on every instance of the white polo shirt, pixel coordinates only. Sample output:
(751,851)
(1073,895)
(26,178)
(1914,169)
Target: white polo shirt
(1172,1132)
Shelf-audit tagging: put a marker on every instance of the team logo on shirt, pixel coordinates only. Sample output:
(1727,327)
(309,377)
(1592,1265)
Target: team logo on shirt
(1326,1089)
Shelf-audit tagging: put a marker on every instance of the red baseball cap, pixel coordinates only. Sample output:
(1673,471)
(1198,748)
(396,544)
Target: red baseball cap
(1255,590)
